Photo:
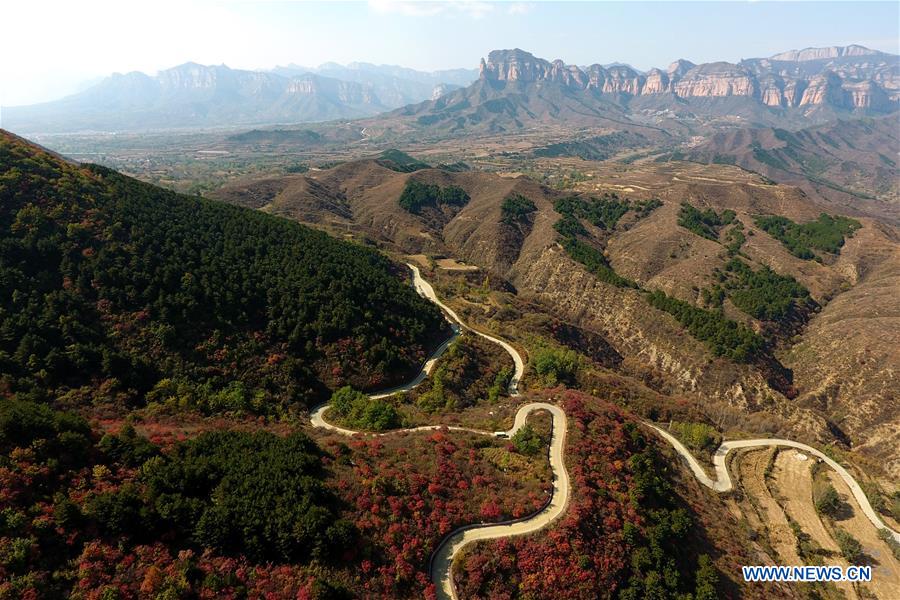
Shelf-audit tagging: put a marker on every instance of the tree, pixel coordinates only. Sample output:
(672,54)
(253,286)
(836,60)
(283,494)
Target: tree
(418,195)
(528,441)
(556,365)
(707,579)
(344,399)
(516,208)
(827,233)
(828,501)
(358,410)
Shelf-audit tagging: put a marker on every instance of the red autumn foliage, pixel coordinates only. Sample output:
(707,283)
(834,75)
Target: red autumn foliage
(586,551)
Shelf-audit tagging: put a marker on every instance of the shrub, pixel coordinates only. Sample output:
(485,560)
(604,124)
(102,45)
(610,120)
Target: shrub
(128,447)
(763,294)
(602,212)
(399,161)
(874,495)
(500,385)
(850,547)
(705,223)
(697,436)
(595,262)
(722,335)
(888,538)
(707,578)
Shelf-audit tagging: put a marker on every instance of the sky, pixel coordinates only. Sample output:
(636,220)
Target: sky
(50,49)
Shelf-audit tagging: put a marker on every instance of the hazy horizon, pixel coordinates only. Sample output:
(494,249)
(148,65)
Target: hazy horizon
(426,36)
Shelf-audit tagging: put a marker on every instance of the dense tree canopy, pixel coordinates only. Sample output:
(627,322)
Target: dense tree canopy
(357,410)
(516,208)
(722,335)
(762,294)
(603,213)
(254,494)
(68,500)
(827,233)
(705,223)
(399,161)
(418,195)
(104,278)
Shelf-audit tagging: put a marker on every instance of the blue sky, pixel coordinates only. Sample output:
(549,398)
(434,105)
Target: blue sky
(69,43)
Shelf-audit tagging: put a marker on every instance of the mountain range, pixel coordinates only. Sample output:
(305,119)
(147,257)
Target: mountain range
(393,85)
(194,95)
(513,88)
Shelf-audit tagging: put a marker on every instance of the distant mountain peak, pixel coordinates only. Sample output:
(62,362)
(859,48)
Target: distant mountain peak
(824,53)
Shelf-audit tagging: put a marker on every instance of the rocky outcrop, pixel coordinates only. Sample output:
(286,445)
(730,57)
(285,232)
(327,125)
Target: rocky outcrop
(515,65)
(678,68)
(771,91)
(823,89)
(656,82)
(793,91)
(344,91)
(717,79)
(622,80)
(849,77)
(866,94)
(823,53)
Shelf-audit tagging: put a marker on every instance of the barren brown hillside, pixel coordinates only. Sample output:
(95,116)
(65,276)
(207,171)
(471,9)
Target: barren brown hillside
(844,359)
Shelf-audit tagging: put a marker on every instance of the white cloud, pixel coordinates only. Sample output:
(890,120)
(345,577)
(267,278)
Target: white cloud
(519,8)
(430,8)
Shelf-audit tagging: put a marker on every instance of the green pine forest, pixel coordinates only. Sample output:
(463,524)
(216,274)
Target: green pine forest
(112,290)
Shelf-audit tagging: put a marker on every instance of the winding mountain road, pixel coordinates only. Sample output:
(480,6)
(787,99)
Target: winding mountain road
(442,559)
(723,483)
(450,547)
(424,288)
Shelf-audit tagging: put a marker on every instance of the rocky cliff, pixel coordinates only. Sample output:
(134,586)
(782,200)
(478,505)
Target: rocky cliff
(850,78)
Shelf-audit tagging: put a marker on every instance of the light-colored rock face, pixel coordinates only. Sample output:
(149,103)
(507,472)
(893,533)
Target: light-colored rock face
(442,89)
(622,80)
(793,92)
(657,82)
(678,68)
(823,53)
(596,77)
(865,94)
(717,80)
(514,65)
(823,89)
(771,91)
(849,77)
(189,76)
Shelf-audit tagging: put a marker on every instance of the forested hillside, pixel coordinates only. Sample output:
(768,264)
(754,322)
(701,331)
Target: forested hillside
(115,290)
